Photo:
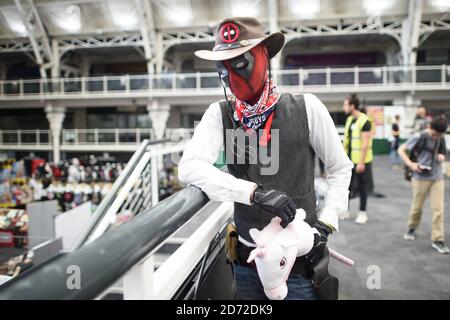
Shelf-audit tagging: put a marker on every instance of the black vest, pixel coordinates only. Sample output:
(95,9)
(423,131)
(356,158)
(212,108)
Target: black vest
(295,175)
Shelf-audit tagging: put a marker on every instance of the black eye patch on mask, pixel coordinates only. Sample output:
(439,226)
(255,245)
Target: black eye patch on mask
(242,65)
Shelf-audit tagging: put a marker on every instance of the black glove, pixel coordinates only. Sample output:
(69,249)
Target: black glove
(320,242)
(277,203)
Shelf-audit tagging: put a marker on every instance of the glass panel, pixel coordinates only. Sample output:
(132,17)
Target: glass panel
(31,87)
(342,78)
(288,79)
(186,81)
(106,137)
(28,137)
(145,135)
(116,84)
(139,84)
(10,137)
(210,81)
(127,137)
(94,85)
(43,137)
(12,87)
(428,76)
(69,137)
(314,79)
(371,77)
(72,85)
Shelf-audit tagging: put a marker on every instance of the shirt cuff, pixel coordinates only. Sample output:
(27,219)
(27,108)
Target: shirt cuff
(329,217)
(243,190)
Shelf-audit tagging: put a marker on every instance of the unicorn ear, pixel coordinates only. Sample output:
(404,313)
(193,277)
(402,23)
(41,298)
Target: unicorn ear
(300,213)
(289,243)
(252,255)
(276,220)
(257,253)
(254,233)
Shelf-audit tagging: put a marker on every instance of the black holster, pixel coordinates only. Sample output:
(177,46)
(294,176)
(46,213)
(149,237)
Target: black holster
(327,286)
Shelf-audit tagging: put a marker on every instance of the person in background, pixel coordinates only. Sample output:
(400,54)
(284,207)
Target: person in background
(358,146)
(74,171)
(422,119)
(427,178)
(395,159)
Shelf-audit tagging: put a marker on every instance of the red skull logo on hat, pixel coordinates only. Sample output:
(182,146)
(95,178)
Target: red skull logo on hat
(229,32)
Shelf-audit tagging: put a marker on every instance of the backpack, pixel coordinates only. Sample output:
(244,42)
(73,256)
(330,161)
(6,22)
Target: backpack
(416,150)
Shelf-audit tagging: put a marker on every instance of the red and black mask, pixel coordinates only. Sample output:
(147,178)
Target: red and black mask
(246,74)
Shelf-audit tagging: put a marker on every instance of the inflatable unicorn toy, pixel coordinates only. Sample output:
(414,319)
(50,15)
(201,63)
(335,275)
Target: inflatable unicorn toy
(276,251)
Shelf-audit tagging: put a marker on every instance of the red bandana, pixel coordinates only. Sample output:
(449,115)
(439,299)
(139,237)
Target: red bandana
(261,114)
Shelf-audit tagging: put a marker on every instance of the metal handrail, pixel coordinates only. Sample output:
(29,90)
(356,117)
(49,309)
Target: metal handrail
(110,197)
(108,258)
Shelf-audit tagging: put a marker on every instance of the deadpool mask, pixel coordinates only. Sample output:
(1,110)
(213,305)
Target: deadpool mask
(246,74)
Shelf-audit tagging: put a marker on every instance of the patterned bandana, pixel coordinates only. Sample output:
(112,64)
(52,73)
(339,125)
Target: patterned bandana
(254,117)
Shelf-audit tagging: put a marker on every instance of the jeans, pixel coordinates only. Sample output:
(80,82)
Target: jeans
(249,287)
(395,158)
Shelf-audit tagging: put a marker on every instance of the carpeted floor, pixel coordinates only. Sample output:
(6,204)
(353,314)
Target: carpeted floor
(407,270)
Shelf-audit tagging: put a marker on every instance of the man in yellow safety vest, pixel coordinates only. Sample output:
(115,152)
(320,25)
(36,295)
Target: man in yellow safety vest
(358,146)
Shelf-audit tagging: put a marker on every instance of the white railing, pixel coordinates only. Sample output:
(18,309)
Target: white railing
(143,282)
(114,136)
(72,138)
(35,137)
(355,78)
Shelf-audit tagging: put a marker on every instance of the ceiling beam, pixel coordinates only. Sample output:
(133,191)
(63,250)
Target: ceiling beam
(147,28)
(36,34)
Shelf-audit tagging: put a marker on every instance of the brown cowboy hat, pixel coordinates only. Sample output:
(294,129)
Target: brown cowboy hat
(235,36)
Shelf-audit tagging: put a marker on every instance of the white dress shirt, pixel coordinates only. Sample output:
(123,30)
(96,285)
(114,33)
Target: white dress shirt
(196,165)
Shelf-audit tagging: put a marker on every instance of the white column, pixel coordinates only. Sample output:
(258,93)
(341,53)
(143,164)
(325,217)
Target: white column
(274,27)
(158,113)
(159,54)
(85,66)
(410,105)
(411,32)
(55,70)
(55,116)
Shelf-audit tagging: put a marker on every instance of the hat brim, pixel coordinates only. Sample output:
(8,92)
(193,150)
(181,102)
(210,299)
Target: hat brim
(274,43)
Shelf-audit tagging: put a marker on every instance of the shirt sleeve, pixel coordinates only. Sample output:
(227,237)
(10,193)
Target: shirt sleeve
(367,126)
(197,163)
(326,143)
(412,141)
(443,146)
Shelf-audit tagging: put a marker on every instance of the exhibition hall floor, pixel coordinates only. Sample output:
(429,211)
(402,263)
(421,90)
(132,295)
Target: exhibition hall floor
(406,269)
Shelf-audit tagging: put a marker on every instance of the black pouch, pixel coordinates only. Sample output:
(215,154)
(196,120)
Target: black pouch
(327,286)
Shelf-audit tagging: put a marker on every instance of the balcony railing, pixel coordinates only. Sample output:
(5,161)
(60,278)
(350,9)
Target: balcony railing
(35,137)
(114,136)
(72,138)
(384,78)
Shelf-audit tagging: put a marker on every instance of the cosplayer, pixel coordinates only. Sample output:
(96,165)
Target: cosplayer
(289,130)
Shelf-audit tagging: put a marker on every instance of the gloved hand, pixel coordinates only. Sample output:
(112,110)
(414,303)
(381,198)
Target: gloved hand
(320,242)
(277,203)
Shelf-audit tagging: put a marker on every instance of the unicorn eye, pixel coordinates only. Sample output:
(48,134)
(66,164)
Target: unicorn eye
(283,263)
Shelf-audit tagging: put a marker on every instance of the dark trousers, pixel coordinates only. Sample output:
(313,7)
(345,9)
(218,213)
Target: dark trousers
(360,184)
